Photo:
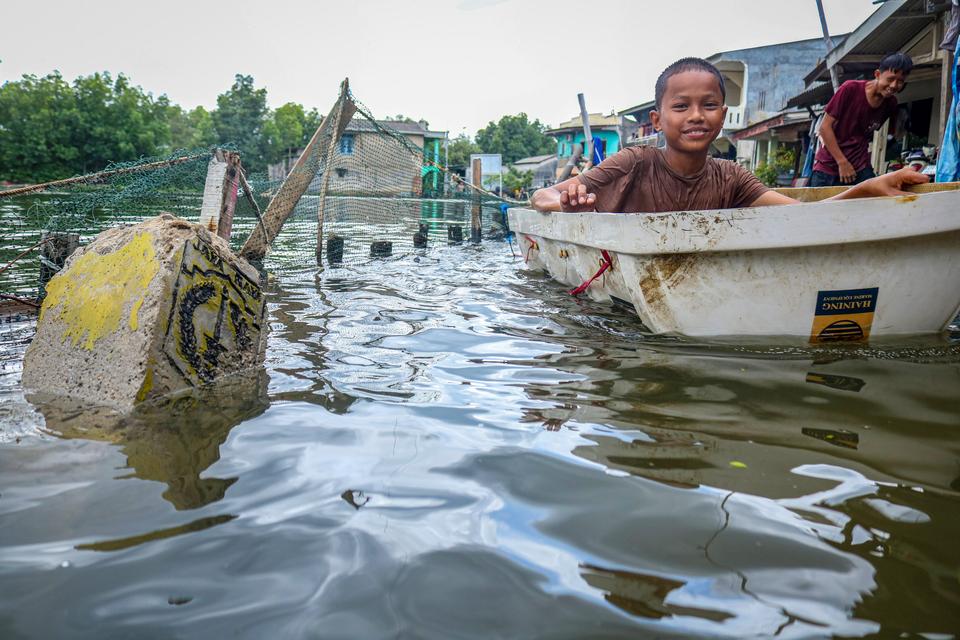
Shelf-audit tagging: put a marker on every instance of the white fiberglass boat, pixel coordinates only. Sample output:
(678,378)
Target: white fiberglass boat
(839,270)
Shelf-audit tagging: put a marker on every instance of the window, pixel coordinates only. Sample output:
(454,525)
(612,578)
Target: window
(762,101)
(346,144)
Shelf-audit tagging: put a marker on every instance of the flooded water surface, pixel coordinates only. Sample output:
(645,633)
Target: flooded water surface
(444,445)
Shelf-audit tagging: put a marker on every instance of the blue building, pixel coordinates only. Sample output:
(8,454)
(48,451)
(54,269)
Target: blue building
(612,130)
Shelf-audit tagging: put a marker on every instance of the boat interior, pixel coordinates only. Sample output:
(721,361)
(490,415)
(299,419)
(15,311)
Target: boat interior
(814,194)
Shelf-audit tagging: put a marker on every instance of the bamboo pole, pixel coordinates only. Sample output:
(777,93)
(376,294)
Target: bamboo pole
(295,184)
(477,169)
(220,193)
(328,169)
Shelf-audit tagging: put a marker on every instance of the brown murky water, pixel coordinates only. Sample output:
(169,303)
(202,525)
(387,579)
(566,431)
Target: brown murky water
(445,446)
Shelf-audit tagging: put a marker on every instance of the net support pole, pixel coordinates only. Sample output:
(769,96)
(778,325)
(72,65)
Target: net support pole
(220,193)
(297,181)
(328,168)
(57,247)
(477,168)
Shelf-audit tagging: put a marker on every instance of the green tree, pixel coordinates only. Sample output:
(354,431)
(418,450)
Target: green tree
(514,180)
(458,153)
(190,129)
(515,137)
(116,121)
(240,118)
(286,131)
(50,129)
(37,117)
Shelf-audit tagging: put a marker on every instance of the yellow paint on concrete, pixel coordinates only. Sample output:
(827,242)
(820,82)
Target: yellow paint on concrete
(147,385)
(90,297)
(134,320)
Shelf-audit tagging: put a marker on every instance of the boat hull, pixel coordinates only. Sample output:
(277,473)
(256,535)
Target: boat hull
(844,270)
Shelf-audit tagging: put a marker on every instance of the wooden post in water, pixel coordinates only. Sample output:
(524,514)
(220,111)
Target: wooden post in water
(56,248)
(231,183)
(477,169)
(220,193)
(328,167)
(297,181)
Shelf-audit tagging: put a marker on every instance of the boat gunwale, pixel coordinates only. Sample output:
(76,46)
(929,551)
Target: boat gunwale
(750,228)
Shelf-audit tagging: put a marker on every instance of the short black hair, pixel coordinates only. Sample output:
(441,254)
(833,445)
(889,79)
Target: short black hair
(681,65)
(896,62)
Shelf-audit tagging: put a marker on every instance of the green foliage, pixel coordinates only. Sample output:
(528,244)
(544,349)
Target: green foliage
(116,120)
(514,180)
(190,129)
(458,153)
(767,174)
(240,119)
(37,118)
(515,137)
(51,129)
(287,130)
(785,159)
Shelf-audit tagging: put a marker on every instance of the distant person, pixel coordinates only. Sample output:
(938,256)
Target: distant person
(857,109)
(690,111)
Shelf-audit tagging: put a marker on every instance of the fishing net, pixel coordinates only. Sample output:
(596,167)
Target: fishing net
(363,189)
(366,189)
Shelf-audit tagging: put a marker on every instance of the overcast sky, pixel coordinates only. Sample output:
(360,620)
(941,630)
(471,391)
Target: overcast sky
(456,63)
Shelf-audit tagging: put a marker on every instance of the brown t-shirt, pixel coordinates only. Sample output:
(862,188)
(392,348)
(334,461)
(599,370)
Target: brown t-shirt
(639,180)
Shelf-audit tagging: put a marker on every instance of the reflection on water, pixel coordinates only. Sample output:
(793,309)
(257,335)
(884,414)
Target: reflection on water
(451,447)
(172,440)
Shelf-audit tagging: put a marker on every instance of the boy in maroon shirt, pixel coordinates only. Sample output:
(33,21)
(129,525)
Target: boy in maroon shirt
(857,109)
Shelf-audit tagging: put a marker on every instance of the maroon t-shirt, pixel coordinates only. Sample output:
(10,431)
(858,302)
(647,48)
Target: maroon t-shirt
(639,180)
(855,123)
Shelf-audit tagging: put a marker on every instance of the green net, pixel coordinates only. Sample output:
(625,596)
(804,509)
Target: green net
(367,189)
(363,189)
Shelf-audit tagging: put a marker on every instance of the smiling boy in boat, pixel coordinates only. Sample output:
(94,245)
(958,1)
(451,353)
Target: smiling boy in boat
(690,112)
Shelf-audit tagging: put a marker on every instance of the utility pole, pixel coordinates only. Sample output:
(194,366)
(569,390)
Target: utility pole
(834,78)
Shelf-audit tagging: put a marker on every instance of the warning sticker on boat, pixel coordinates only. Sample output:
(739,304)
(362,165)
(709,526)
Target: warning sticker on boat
(844,315)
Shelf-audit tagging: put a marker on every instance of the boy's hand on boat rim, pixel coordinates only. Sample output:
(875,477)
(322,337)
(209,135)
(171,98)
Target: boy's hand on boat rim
(576,198)
(892,184)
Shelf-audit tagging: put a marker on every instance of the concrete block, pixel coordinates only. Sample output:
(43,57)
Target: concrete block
(144,311)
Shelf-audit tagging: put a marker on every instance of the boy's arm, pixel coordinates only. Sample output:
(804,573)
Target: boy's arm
(580,192)
(569,195)
(847,172)
(889,184)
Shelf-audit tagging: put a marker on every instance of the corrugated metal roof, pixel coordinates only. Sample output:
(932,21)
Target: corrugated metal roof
(896,22)
(820,93)
(888,29)
(596,120)
(535,159)
(364,125)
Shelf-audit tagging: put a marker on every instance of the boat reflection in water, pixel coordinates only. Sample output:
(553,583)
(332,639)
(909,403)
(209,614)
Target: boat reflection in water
(819,486)
(173,440)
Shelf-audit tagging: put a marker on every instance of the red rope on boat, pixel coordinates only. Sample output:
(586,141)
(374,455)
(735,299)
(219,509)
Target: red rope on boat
(530,247)
(605,264)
